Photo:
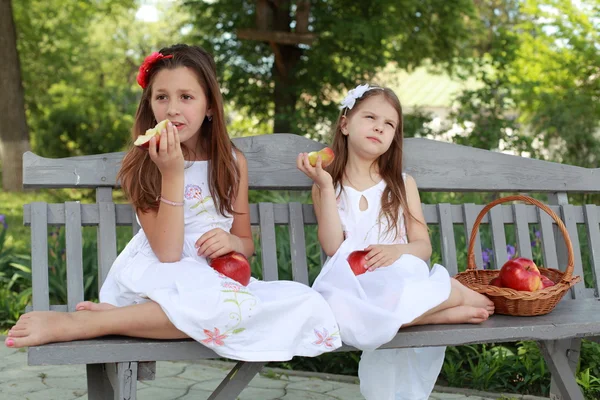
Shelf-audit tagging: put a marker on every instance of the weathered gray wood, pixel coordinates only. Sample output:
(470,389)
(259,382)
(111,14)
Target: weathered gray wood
(549,252)
(298,244)
(74,253)
(498,236)
(272,165)
(555,355)
(90,215)
(593,236)
(571,348)
(448,244)
(123,379)
(98,385)
(522,231)
(470,212)
(39,257)
(560,198)
(236,380)
(568,218)
(267,242)
(146,371)
(569,319)
(53,307)
(107,240)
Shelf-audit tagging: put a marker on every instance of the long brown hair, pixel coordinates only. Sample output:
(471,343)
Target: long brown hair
(141,178)
(390,163)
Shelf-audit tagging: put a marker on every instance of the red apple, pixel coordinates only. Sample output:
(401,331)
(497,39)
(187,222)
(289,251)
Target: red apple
(144,140)
(233,265)
(357,261)
(496,282)
(326,154)
(521,274)
(546,282)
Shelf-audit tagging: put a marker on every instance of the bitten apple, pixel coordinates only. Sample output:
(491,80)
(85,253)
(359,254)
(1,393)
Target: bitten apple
(326,154)
(546,282)
(358,262)
(144,140)
(521,274)
(233,265)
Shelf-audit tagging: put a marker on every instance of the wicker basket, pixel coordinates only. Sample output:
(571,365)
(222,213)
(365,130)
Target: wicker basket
(515,302)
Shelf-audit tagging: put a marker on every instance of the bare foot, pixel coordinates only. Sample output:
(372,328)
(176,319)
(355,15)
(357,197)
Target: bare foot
(40,327)
(474,299)
(454,315)
(91,306)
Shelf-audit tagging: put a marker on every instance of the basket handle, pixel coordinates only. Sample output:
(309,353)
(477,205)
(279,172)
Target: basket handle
(571,260)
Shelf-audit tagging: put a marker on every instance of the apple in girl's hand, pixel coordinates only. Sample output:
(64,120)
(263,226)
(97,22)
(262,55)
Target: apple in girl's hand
(521,274)
(358,262)
(546,282)
(233,265)
(326,154)
(144,140)
(496,282)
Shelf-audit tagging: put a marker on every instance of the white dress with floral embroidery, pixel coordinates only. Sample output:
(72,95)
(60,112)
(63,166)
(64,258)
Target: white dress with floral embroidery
(264,321)
(370,308)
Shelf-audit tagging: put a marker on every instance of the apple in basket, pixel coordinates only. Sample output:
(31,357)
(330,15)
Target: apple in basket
(546,282)
(358,262)
(326,154)
(233,265)
(144,140)
(496,282)
(521,274)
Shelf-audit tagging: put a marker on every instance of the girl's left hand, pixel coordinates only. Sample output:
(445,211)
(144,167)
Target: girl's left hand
(382,255)
(215,243)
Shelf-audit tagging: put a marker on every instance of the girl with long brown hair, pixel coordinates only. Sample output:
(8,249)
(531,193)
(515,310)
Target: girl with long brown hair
(364,202)
(190,191)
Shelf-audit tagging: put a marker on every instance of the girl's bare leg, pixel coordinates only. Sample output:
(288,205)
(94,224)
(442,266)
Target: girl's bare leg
(146,320)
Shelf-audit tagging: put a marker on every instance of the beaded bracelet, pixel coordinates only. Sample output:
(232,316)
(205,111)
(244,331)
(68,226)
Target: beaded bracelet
(169,202)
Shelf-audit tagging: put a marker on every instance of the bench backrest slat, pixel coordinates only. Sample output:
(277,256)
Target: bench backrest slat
(74,253)
(590,212)
(39,257)
(470,212)
(298,244)
(498,236)
(107,239)
(547,238)
(272,165)
(268,241)
(447,242)
(568,217)
(522,231)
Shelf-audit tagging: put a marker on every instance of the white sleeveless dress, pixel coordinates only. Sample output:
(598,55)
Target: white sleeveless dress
(264,321)
(370,308)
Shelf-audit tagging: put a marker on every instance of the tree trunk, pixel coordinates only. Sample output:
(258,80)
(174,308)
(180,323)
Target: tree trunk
(286,57)
(14,134)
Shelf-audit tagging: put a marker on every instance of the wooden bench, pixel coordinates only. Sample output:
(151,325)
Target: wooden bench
(114,364)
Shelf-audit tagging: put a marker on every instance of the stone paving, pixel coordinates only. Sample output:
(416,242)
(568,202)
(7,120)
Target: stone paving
(185,380)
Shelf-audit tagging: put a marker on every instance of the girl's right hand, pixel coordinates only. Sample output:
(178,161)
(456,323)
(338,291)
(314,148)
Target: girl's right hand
(168,157)
(321,177)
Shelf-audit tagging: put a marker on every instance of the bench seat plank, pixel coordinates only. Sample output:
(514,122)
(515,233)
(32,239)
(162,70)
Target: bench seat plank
(568,319)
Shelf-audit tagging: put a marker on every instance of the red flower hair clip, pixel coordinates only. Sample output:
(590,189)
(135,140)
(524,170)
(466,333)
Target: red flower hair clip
(142,78)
